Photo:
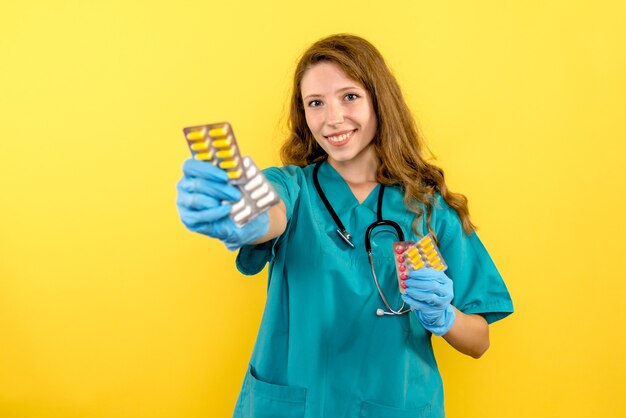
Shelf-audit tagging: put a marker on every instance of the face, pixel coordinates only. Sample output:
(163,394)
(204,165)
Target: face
(339,113)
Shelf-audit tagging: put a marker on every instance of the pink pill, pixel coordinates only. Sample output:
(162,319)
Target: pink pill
(400,259)
(402,268)
(404,286)
(399,249)
(403,276)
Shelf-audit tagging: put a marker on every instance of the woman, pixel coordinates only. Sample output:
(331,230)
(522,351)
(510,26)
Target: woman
(353,157)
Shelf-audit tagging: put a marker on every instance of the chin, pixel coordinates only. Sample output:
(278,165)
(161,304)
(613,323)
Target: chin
(340,159)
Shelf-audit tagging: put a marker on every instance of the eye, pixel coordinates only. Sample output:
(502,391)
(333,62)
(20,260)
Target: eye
(315,103)
(351,97)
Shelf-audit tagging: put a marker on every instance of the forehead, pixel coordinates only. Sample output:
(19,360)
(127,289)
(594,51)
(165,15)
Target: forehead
(326,77)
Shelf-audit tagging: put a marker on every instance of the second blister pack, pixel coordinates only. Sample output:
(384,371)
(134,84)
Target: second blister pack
(410,255)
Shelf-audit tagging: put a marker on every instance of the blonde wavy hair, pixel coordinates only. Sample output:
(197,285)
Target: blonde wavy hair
(398,146)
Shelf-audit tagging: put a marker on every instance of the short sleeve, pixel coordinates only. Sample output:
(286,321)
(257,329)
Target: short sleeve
(251,259)
(478,286)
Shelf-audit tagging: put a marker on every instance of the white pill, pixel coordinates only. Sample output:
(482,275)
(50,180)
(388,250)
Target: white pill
(238,217)
(254,183)
(251,171)
(266,200)
(238,206)
(260,191)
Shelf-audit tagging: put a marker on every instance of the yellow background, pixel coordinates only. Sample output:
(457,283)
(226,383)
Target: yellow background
(110,308)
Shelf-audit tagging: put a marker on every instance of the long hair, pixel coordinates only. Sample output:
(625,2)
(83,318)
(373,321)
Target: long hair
(397,144)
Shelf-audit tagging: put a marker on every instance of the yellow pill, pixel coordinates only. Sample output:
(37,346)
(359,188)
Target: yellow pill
(415,257)
(204,156)
(417,266)
(425,241)
(435,261)
(199,146)
(223,143)
(431,255)
(412,252)
(219,132)
(195,135)
(226,164)
(234,174)
(225,154)
(428,249)
(439,267)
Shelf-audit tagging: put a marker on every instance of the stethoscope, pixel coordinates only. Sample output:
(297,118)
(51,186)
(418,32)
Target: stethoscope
(347,238)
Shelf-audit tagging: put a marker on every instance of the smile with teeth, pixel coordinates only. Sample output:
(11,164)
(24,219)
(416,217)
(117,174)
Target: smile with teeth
(335,139)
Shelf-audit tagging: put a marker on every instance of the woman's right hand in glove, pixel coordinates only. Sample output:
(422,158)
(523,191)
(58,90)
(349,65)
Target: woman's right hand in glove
(204,200)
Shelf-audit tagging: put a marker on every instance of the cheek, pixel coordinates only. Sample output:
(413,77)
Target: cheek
(312,121)
(372,122)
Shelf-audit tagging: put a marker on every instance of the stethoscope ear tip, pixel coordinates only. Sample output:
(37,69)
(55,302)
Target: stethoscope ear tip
(380,312)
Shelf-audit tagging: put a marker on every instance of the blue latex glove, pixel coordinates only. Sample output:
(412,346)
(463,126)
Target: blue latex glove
(429,292)
(204,201)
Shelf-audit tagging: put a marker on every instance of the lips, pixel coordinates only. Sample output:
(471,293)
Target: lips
(340,138)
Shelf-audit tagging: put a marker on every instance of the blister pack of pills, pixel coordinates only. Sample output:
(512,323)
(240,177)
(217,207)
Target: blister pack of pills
(216,144)
(411,255)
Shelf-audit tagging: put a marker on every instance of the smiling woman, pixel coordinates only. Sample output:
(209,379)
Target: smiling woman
(348,123)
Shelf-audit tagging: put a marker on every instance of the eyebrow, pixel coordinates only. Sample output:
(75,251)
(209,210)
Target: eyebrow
(338,91)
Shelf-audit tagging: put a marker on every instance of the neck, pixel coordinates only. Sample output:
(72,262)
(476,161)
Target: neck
(361,170)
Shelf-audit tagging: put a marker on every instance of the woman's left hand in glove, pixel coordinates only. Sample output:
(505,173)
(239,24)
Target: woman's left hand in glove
(430,292)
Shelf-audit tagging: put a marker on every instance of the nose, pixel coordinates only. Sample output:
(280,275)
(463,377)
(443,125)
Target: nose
(334,114)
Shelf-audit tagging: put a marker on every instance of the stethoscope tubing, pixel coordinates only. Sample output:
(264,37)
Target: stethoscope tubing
(346,237)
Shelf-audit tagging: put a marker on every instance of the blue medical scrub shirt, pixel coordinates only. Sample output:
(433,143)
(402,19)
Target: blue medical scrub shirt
(321,350)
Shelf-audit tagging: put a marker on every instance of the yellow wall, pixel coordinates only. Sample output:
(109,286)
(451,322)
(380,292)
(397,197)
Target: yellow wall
(110,308)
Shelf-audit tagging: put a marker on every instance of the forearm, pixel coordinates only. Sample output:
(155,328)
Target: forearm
(277,223)
(469,334)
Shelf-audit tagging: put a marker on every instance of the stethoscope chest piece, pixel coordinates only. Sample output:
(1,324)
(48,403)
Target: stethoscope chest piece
(345,235)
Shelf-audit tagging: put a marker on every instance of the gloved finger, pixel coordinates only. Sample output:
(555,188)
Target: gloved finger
(422,285)
(210,230)
(225,230)
(428,273)
(233,246)
(429,298)
(204,170)
(420,298)
(429,315)
(432,320)
(195,218)
(196,201)
(423,309)
(432,298)
(217,190)
(434,286)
